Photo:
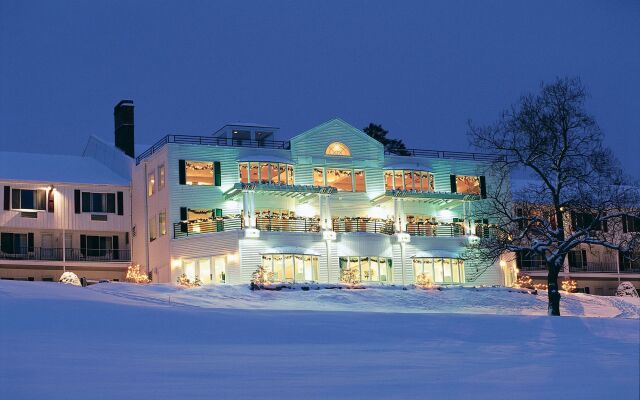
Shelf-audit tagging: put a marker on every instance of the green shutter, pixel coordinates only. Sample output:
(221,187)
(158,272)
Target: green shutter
(7,197)
(217,176)
(120,196)
(483,187)
(30,242)
(83,245)
(453,184)
(182,173)
(76,200)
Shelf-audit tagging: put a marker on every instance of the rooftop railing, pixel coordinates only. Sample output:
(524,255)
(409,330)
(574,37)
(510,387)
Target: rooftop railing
(286,145)
(212,141)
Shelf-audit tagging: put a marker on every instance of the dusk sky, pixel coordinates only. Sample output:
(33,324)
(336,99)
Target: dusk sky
(422,69)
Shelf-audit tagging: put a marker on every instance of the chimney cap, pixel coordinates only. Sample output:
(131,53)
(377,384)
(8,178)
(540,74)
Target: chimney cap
(124,103)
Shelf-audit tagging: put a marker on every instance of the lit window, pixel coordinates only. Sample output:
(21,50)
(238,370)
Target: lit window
(199,173)
(368,269)
(359,181)
(291,267)
(244,172)
(439,270)
(153,231)
(340,179)
(161,177)
(162,221)
(417,181)
(318,177)
(338,149)
(468,184)
(151,184)
(266,172)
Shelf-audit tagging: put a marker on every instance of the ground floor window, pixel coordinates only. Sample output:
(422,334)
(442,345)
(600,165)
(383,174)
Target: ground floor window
(370,269)
(439,270)
(207,269)
(291,267)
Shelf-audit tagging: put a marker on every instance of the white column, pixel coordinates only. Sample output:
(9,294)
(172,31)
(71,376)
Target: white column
(325,212)
(400,222)
(252,209)
(245,208)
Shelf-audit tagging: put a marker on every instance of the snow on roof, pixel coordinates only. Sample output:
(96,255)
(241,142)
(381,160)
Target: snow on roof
(56,168)
(409,166)
(250,124)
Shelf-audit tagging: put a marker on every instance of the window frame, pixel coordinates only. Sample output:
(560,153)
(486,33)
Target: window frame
(191,183)
(162,177)
(332,146)
(105,203)
(151,183)
(269,167)
(39,199)
(416,176)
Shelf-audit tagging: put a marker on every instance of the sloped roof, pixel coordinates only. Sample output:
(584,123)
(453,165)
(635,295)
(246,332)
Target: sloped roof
(56,168)
(333,122)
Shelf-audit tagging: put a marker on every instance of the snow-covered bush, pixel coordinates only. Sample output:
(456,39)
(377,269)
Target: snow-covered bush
(134,275)
(69,278)
(626,289)
(261,276)
(184,281)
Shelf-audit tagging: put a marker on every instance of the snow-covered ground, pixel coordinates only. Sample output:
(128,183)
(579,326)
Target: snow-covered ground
(121,341)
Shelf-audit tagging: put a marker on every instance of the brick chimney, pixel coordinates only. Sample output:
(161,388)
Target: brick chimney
(123,121)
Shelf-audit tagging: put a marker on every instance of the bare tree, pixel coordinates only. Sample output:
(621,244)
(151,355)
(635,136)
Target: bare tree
(576,193)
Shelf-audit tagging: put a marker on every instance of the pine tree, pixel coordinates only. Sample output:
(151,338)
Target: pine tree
(394,146)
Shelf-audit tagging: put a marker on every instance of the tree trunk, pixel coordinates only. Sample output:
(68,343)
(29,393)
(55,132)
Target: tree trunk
(553,290)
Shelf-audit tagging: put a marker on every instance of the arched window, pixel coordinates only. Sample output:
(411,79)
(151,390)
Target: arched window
(338,149)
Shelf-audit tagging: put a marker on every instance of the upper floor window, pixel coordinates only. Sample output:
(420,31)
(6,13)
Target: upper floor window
(98,202)
(151,184)
(201,173)
(338,149)
(466,184)
(345,180)
(27,199)
(418,181)
(266,172)
(318,177)
(630,223)
(161,177)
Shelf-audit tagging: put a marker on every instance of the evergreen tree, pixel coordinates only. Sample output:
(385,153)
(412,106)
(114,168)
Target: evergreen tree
(395,146)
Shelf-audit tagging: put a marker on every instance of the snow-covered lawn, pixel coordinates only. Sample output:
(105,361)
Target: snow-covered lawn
(121,341)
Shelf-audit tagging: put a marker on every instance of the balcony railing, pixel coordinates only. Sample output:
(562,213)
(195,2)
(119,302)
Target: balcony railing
(190,228)
(429,229)
(288,224)
(55,254)
(608,267)
(370,225)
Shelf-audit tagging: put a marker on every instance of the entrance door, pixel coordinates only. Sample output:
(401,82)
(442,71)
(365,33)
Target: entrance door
(47,252)
(220,270)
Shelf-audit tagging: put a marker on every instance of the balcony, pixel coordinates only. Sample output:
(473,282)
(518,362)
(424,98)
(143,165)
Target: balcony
(55,254)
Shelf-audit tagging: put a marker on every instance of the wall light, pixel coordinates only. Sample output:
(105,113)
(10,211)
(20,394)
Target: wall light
(305,210)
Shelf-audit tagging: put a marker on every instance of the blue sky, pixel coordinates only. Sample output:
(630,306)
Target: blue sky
(422,69)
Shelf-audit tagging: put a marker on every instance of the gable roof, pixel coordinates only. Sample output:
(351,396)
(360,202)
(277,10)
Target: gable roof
(56,168)
(333,123)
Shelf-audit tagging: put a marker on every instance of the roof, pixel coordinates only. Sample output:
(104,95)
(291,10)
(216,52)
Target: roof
(409,166)
(56,168)
(264,157)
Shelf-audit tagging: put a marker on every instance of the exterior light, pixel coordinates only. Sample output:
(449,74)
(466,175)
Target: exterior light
(176,263)
(251,233)
(233,257)
(473,239)
(377,212)
(403,237)
(329,235)
(305,210)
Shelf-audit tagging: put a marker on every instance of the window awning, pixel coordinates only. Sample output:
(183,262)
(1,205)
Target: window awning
(291,250)
(409,166)
(264,158)
(439,198)
(436,254)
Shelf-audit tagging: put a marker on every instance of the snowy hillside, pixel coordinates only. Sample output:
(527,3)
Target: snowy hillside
(126,341)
